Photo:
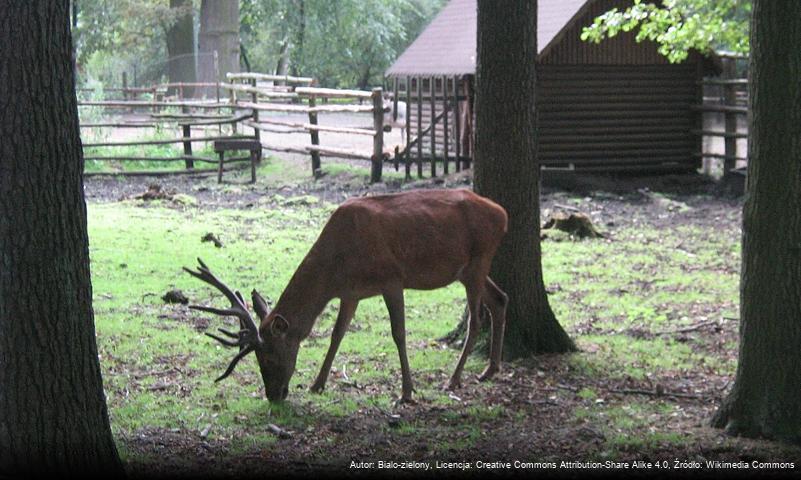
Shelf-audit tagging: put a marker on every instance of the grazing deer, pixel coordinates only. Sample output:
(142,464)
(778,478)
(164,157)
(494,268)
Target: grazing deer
(372,246)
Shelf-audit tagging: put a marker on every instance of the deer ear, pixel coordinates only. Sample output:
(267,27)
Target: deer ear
(279,326)
(260,305)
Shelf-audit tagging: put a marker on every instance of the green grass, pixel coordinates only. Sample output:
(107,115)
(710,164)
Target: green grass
(159,368)
(137,254)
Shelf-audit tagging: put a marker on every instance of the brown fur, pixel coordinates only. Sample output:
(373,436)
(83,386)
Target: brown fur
(381,245)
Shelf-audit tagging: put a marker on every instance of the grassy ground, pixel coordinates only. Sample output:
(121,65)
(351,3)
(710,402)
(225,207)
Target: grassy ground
(652,307)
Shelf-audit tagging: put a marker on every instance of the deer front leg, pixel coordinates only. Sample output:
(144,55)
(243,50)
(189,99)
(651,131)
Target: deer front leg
(474,307)
(346,310)
(397,319)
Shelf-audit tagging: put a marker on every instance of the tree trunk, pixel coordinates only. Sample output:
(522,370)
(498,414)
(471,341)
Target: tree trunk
(219,32)
(282,66)
(300,35)
(506,169)
(53,416)
(765,400)
(180,47)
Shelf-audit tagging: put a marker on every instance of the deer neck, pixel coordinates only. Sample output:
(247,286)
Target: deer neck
(304,298)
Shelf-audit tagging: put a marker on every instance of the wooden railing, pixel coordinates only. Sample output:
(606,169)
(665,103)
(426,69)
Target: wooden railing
(244,102)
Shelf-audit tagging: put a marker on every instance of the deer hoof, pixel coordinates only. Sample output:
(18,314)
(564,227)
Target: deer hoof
(318,389)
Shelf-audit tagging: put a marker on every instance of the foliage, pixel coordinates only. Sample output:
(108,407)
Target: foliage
(123,35)
(343,43)
(679,25)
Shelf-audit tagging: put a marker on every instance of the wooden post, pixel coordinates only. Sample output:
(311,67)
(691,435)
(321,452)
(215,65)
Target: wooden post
(189,163)
(220,127)
(432,98)
(445,109)
(698,141)
(378,139)
(220,168)
(394,99)
(187,131)
(255,99)
(419,138)
(730,99)
(232,98)
(456,121)
(255,157)
(125,86)
(315,138)
(408,124)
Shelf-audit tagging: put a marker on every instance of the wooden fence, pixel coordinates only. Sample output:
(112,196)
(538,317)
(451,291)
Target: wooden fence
(246,101)
(436,112)
(726,95)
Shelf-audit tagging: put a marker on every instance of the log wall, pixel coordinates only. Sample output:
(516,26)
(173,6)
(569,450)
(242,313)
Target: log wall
(616,117)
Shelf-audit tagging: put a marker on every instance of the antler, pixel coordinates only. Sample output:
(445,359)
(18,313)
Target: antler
(248,337)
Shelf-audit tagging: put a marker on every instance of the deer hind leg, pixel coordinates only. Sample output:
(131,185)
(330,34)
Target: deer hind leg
(397,319)
(346,310)
(474,293)
(496,300)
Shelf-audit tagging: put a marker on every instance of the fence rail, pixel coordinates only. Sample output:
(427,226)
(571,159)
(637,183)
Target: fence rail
(248,96)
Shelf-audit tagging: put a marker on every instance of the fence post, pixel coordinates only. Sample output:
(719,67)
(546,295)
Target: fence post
(433,102)
(217,93)
(188,162)
(445,110)
(408,149)
(378,139)
(419,127)
(255,99)
(457,130)
(232,100)
(315,137)
(730,100)
(125,86)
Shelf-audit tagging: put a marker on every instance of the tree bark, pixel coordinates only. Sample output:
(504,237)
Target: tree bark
(53,416)
(219,32)
(181,47)
(506,169)
(765,400)
(296,53)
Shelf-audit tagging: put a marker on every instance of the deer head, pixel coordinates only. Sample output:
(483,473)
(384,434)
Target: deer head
(275,353)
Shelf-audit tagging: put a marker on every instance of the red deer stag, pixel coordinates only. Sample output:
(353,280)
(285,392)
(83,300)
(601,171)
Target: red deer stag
(372,246)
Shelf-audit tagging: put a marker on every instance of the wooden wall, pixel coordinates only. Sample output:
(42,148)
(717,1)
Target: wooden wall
(594,116)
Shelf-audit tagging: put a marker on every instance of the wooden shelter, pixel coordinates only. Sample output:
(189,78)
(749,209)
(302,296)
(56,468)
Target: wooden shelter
(614,106)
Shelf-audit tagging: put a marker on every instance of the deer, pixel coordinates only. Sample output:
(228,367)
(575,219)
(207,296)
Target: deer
(370,246)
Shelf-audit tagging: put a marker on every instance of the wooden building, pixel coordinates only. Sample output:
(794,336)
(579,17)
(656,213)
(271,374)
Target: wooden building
(615,106)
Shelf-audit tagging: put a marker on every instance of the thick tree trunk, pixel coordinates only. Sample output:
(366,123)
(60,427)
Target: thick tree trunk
(766,397)
(181,47)
(53,416)
(506,169)
(219,32)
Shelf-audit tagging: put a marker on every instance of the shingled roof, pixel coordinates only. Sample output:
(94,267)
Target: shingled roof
(448,45)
